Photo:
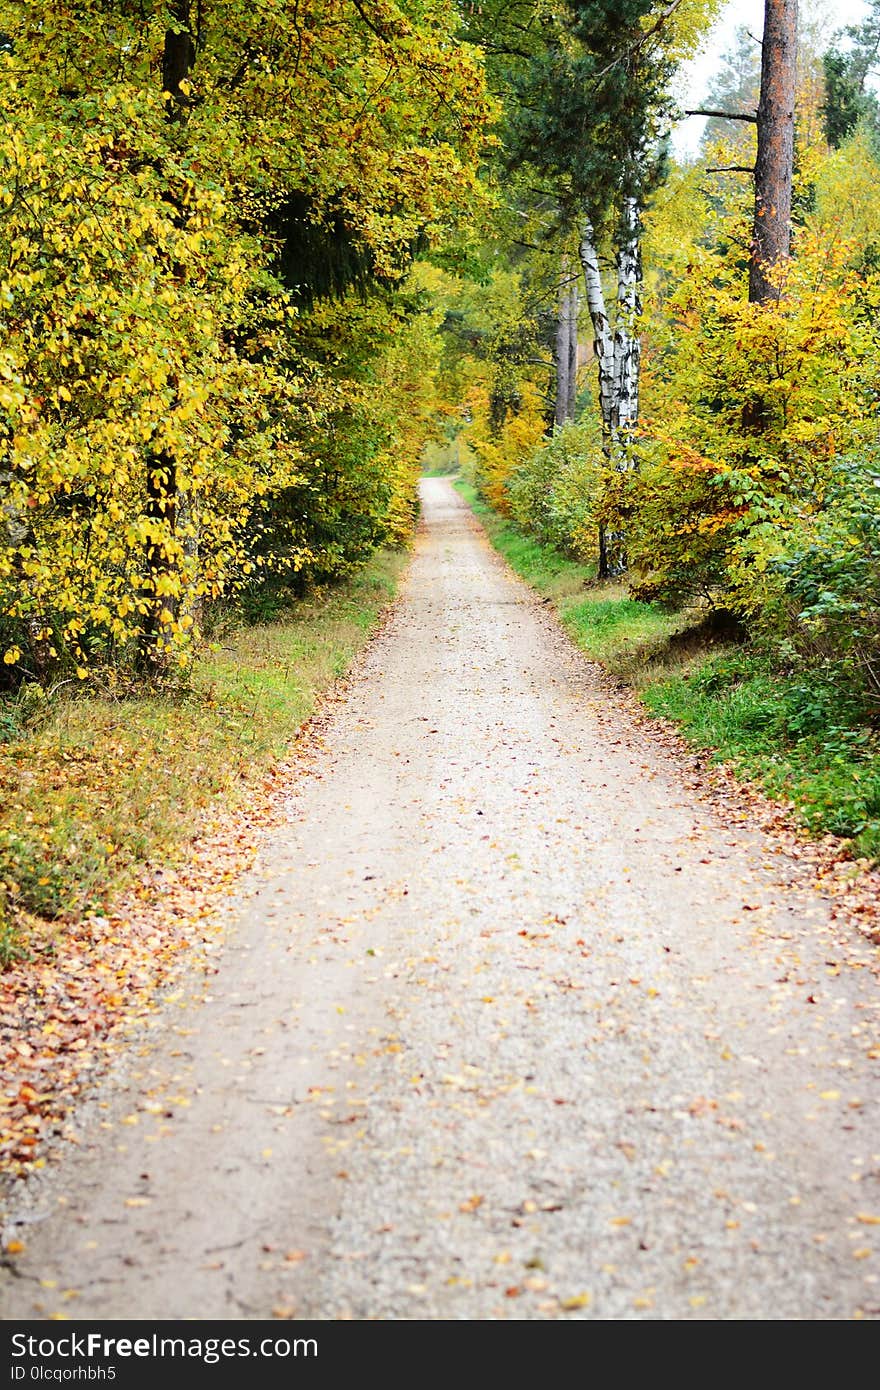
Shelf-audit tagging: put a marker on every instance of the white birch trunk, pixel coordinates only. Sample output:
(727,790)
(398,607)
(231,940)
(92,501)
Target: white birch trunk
(603,339)
(627,343)
(618,359)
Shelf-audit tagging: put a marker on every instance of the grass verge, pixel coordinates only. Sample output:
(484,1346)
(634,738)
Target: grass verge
(797,736)
(604,621)
(92,787)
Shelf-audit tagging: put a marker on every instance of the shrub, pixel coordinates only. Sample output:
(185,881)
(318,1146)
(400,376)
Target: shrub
(554,494)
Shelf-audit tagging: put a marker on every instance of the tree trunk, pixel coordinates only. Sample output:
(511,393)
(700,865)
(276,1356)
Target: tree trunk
(771,240)
(627,342)
(603,339)
(162,601)
(566,345)
(178,54)
(563,333)
(573,308)
(618,358)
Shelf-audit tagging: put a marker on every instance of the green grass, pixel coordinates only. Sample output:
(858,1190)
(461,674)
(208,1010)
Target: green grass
(93,786)
(801,738)
(603,620)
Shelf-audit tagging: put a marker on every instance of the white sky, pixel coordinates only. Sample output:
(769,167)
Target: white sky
(831,14)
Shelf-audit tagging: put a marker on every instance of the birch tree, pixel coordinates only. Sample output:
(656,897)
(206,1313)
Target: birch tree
(593,108)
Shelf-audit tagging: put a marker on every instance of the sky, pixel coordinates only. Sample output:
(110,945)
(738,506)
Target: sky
(832,13)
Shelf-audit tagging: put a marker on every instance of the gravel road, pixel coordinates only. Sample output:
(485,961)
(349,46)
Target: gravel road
(508,1024)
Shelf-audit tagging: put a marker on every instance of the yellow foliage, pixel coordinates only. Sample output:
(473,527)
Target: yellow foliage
(499,450)
(153,393)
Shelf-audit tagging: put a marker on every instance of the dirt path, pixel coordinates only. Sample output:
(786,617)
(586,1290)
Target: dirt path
(509,1025)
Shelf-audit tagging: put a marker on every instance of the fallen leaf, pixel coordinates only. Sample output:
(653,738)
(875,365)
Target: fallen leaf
(472,1203)
(579,1300)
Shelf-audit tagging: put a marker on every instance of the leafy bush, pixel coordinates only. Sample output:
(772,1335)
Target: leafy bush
(680,521)
(554,494)
(828,600)
(801,738)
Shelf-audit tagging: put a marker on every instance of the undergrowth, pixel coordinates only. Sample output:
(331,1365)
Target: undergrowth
(805,741)
(96,783)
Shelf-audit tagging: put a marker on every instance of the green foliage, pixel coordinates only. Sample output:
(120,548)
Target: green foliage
(848,97)
(589,104)
(801,738)
(825,606)
(555,494)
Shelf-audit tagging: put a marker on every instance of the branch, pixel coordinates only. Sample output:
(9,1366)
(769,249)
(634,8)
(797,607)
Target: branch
(379,30)
(731,169)
(725,115)
(661,20)
(641,39)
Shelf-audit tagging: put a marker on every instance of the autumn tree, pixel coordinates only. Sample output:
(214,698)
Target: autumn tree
(155,388)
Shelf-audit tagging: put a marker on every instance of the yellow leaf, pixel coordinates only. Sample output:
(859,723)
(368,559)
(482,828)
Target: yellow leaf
(472,1203)
(579,1300)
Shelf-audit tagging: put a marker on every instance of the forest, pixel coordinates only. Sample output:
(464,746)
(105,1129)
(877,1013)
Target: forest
(263,263)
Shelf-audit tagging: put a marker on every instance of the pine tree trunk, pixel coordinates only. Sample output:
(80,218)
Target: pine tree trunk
(771,241)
